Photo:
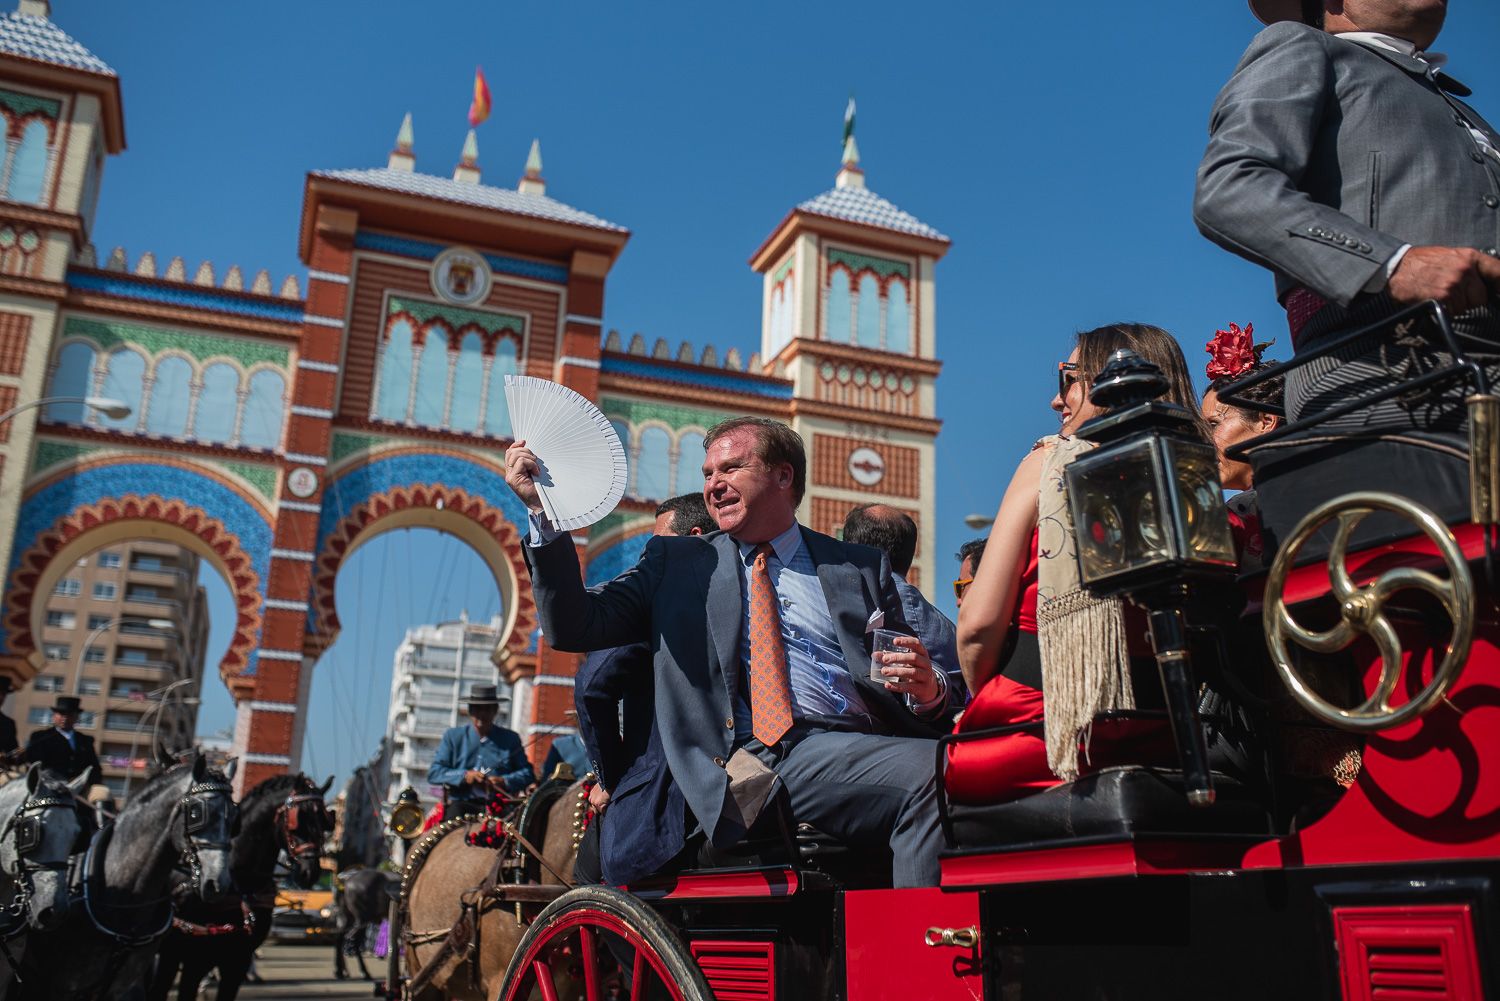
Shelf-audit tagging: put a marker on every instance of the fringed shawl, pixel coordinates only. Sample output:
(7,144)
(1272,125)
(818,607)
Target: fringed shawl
(1085,657)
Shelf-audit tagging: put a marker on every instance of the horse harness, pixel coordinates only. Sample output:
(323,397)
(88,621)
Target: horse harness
(294,816)
(245,926)
(28,826)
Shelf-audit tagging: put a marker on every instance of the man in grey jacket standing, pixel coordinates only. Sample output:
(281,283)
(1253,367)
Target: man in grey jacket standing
(1342,157)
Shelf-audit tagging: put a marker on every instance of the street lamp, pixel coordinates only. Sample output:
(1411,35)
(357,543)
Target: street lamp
(164,625)
(113,409)
(978,521)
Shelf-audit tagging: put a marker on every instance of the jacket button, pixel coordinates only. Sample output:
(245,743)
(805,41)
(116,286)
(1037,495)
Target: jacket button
(729,723)
(1476,156)
(1365,248)
(1491,201)
(719,762)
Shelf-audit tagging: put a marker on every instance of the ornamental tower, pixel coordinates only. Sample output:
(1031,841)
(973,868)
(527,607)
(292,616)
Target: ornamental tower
(849,316)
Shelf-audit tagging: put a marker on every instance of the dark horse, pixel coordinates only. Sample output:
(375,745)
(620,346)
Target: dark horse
(364,900)
(104,948)
(284,814)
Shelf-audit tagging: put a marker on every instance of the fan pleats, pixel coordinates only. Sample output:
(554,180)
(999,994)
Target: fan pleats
(582,462)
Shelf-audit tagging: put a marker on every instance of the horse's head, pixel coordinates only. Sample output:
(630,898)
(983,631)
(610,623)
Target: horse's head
(38,838)
(203,825)
(303,823)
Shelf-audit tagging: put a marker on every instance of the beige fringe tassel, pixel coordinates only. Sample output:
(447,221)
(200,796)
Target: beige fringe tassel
(1085,671)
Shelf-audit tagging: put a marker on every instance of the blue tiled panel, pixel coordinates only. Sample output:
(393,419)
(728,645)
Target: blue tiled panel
(609,563)
(424,251)
(192,297)
(89,487)
(706,378)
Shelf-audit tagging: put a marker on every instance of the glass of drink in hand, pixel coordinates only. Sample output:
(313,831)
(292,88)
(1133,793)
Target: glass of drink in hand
(884,643)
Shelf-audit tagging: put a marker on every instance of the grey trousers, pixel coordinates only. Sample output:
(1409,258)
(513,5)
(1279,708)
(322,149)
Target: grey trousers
(868,791)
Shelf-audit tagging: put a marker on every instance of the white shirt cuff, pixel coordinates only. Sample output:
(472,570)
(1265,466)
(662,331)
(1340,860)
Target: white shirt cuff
(541,531)
(1382,278)
(922,708)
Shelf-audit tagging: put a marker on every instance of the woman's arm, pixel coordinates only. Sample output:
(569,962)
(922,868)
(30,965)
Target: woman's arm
(990,603)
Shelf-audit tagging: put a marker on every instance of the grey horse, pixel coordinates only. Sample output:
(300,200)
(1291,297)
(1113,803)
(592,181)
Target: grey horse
(363,903)
(105,947)
(41,830)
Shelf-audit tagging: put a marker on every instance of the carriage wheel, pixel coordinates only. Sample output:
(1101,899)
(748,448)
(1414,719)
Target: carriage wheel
(607,943)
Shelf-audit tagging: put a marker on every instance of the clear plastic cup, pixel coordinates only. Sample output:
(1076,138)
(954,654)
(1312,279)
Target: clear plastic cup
(884,641)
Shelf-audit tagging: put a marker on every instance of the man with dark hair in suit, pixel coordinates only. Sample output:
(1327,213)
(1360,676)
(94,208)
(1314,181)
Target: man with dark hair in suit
(61,747)
(760,635)
(643,828)
(1341,157)
(895,534)
(969,555)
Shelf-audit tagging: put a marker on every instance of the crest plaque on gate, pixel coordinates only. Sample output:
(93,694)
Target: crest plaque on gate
(461,276)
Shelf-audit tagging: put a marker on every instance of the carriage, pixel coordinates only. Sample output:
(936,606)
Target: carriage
(1371,643)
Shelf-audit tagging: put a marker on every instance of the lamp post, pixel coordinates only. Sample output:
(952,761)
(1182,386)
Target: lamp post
(164,625)
(113,409)
(978,521)
(1152,526)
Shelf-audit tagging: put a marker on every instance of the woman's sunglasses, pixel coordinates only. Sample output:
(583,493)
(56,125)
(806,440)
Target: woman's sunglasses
(1067,374)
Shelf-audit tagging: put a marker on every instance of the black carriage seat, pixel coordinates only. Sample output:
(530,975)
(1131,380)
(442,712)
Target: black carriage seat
(1117,802)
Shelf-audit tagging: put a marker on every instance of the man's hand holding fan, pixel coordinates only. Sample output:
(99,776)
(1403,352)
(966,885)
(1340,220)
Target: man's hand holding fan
(567,463)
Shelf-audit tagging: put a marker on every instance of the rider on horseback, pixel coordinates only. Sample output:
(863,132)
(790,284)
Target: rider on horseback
(479,760)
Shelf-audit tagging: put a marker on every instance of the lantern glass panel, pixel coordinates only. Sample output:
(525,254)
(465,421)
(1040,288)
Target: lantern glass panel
(1202,515)
(1117,512)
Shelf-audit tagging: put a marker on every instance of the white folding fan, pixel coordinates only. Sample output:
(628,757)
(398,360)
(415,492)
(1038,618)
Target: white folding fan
(582,462)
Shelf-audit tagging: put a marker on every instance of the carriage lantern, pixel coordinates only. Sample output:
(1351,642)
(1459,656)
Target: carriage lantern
(1152,526)
(1147,503)
(406,816)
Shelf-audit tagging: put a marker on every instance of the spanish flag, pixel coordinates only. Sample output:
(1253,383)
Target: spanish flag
(480,109)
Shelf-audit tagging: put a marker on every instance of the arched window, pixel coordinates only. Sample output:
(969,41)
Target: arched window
(838,307)
(432,380)
(868,335)
(689,464)
(74,376)
(653,471)
(468,383)
(171,396)
(125,380)
(218,403)
(395,373)
(897,317)
(265,410)
(623,430)
(496,413)
(28,168)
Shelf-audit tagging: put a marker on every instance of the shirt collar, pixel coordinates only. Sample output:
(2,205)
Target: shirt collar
(1398,45)
(785,546)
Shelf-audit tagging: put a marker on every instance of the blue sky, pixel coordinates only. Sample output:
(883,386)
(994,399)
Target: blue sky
(1055,143)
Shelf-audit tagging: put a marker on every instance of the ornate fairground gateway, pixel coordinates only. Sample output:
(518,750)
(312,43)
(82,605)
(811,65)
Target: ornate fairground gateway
(274,432)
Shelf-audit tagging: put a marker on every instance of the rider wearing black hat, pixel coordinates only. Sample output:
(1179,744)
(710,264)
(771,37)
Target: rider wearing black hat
(62,748)
(479,759)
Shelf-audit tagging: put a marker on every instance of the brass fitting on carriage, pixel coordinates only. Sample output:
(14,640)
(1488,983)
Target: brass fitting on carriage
(960,938)
(1484,458)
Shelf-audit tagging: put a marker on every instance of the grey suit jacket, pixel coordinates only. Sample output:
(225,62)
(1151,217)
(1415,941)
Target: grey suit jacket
(683,599)
(1325,155)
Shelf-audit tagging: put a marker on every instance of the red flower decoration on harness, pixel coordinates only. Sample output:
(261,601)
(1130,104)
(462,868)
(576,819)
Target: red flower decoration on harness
(1233,352)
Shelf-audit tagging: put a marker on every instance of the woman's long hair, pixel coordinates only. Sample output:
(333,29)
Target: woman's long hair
(1153,344)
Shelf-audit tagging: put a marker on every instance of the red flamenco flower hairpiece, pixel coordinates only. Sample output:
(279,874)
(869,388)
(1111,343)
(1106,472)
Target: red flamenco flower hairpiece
(1233,352)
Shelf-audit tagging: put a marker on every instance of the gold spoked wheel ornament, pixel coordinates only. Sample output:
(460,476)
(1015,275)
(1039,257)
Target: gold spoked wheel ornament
(1362,612)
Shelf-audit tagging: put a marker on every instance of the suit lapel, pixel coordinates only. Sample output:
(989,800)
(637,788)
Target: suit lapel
(719,570)
(845,593)
(1415,67)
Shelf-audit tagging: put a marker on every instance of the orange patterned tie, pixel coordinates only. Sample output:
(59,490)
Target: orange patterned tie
(770,689)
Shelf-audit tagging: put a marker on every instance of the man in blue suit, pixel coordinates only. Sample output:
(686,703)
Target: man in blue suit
(642,829)
(478,759)
(761,651)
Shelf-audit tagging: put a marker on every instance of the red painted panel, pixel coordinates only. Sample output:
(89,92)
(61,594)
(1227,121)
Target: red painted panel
(1117,858)
(720,885)
(737,971)
(1395,952)
(887,957)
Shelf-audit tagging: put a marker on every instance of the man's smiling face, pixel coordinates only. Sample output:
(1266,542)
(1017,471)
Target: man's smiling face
(750,500)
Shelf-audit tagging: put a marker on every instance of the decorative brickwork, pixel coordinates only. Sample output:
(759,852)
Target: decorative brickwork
(901,476)
(867,388)
(864,262)
(7,400)
(15,333)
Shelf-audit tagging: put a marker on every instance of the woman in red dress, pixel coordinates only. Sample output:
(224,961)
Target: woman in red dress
(999,645)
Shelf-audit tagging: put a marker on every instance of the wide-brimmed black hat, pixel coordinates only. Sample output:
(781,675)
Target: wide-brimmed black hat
(66,704)
(483,695)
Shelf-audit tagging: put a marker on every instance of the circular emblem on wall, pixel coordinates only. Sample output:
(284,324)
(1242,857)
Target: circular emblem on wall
(866,466)
(461,276)
(302,482)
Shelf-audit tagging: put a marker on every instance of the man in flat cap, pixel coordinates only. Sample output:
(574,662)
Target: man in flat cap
(480,758)
(1342,157)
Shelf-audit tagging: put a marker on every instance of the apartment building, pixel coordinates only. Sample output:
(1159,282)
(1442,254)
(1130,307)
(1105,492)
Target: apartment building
(434,668)
(124,624)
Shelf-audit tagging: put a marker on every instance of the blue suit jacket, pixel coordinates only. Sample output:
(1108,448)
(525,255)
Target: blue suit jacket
(500,751)
(938,635)
(643,827)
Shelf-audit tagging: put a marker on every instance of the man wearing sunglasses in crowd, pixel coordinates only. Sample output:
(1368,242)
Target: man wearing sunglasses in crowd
(968,564)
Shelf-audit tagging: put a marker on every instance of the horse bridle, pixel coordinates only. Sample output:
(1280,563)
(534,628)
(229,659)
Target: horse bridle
(290,821)
(198,817)
(28,825)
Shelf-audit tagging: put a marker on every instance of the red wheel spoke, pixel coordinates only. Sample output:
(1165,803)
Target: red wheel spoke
(638,976)
(543,971)
(590,963)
